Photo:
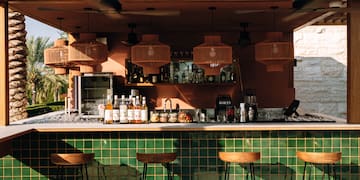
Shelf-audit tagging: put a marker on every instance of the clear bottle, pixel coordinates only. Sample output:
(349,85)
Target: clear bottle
(137,111)
(116,110)
(130,109)
(108,119)
(123,111)
(144,111)
(242,113)
(251,114)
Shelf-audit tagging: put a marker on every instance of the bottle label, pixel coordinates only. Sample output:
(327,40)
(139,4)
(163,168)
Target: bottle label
(144,115)
(137,114)
(123,114)
(116,114)
(130,114)
(108,116)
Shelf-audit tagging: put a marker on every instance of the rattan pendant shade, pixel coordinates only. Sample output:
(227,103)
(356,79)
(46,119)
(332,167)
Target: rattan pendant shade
(57,56)
(87,52)
(212,55)
(273,52)
(150,53)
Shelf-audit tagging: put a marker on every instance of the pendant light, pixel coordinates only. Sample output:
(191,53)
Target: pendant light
(212,55)
(274,52)
(150,53)
(86,51)
(57,55)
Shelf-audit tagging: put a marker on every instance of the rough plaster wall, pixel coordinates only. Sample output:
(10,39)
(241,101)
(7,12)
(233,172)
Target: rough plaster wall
(320,74)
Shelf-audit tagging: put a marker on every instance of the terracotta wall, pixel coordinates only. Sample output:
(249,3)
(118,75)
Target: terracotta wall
(273,89)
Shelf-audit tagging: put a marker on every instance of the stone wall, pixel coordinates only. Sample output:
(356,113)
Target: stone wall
(320,75)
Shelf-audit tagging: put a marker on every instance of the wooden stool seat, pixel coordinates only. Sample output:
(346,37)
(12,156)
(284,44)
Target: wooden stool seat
(162,158)
(71,159)
(325,158)
(239,157)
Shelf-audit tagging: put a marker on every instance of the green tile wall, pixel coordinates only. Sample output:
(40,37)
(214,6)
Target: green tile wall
(115,154)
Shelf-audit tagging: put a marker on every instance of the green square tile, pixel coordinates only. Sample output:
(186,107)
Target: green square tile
(291,143)
(159,144)
(229,143)
(132,143)
(150,144)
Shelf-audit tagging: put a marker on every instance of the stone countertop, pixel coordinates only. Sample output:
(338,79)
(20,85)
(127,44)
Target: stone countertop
(16,130)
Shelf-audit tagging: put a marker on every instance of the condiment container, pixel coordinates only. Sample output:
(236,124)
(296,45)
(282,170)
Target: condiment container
(154,117)
(173,118)
(164,117)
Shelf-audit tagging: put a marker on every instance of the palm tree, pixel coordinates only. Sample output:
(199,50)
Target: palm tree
(43,84)
(17,66)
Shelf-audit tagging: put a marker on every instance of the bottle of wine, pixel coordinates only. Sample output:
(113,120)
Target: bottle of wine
(130,110)
(144,110)
(116,110)
(123,110)
(108,119)
(137,111)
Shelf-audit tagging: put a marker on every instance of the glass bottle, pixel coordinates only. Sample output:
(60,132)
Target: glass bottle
(137,111)
(116,110)
(144,111)
(108,119)
(123,110)
(242,113)
(130,109)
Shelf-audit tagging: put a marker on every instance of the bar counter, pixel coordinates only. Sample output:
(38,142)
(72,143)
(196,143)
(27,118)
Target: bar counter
(19,129)
(196,145)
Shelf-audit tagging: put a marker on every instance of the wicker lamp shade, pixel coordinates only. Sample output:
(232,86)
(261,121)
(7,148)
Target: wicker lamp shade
(57,56)
(87,52)
(274,52)
(150,53)
(212,55)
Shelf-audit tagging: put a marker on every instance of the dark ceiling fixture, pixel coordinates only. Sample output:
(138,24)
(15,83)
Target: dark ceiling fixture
(244,39)
(132,36)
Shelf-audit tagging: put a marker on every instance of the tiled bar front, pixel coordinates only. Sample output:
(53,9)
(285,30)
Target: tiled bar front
(115,153)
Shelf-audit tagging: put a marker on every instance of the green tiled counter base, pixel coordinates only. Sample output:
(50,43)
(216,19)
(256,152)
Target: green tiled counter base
(115,154)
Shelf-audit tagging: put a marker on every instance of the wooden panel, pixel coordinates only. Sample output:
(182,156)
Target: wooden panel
(4,73)
(353,89)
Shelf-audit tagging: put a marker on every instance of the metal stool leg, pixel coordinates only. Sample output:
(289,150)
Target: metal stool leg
(81,172)
(169,174)
(252,171)
(144,171)
(304,171)
(334,170)
(227,172)
(86,172)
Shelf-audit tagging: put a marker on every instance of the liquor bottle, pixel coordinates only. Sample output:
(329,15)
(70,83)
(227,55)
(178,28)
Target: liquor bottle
(116,110)
(144,110)
(242,113)
(108,119)
(137,111)
(130,109)
(123,111)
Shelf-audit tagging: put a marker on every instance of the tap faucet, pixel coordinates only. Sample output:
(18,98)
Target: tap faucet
(166,100)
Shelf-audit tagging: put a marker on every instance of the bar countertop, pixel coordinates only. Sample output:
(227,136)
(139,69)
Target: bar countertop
(18,129)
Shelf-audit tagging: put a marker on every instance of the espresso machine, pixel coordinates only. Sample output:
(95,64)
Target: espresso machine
(223,102)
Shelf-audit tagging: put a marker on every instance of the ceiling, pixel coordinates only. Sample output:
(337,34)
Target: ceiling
(180,15)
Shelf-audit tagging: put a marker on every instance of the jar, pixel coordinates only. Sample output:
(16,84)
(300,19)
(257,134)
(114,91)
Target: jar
(154,117)
(173,117)
(164,117)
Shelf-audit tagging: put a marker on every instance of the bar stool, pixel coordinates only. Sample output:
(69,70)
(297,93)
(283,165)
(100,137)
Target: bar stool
(163,158)
(71,159)
(239,157)
(324,158)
